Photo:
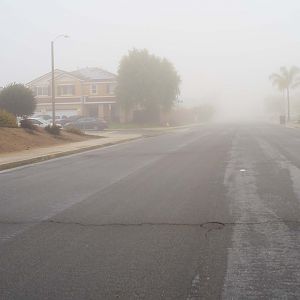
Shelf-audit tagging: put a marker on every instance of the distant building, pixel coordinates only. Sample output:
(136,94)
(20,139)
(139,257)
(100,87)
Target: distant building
(86,92)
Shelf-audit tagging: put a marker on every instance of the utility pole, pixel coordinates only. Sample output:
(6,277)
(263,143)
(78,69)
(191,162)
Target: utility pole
(288,104)
(53,83)
(52,76)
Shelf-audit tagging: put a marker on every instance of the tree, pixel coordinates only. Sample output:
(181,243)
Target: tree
(146,81)
(18,100)
(285,80)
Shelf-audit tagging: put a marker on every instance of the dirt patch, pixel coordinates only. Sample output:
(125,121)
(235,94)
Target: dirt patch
(19,139)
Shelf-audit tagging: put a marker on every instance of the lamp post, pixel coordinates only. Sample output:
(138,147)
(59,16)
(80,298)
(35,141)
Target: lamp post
(52,74)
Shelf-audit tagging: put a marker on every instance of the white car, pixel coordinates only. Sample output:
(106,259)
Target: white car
(39,122)
(46,118)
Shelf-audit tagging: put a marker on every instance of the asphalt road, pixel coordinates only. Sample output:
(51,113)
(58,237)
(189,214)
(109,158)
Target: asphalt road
(208,212)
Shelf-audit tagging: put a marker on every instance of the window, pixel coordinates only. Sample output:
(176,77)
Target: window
(93,88)
(65,90)
(110,88)
(42,91)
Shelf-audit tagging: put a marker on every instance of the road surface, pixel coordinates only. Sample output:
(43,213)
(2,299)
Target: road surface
(207,212)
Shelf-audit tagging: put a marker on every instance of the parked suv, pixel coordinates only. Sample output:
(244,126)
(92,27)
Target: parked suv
(85,123)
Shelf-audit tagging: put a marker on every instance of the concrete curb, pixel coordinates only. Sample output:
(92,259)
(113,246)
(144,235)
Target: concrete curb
(28,161)
(155,128)
(292,126)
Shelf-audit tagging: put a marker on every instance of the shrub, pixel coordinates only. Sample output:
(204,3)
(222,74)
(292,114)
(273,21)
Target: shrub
(55,130)
(73,130)
(7,119)
(25,123)
(18,100)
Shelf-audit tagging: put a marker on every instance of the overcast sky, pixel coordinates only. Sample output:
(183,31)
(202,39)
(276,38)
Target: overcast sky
(224,50)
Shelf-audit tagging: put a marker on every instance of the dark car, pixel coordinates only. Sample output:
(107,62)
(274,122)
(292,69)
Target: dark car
(70,119)
(85,123)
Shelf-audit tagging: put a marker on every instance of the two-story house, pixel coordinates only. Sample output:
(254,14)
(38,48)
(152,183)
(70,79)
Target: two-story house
(86,92)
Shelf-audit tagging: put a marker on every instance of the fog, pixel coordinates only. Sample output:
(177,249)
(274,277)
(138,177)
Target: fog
(224,51)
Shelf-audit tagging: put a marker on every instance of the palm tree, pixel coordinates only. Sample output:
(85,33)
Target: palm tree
(296,82)
(285,80)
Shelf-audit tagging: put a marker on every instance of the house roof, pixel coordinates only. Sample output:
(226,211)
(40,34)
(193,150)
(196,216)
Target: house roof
(86,74)
(57,72)
(93,74)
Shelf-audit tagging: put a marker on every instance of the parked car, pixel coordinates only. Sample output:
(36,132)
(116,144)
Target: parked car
(43,117)
(86,123)
(70,119)
(38,122)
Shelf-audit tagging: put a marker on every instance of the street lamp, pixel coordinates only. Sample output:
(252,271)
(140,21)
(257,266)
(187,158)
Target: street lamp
(52,71)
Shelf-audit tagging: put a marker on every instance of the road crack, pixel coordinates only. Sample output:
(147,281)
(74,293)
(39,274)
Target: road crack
(213,225)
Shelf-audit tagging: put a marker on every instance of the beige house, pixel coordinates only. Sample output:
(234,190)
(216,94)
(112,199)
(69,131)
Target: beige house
(86,92)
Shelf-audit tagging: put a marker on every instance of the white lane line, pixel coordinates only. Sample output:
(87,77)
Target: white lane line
(195,288)
(264,260)
(283,164)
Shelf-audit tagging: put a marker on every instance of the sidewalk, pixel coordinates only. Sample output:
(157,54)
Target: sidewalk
(292,125)
(15,159)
